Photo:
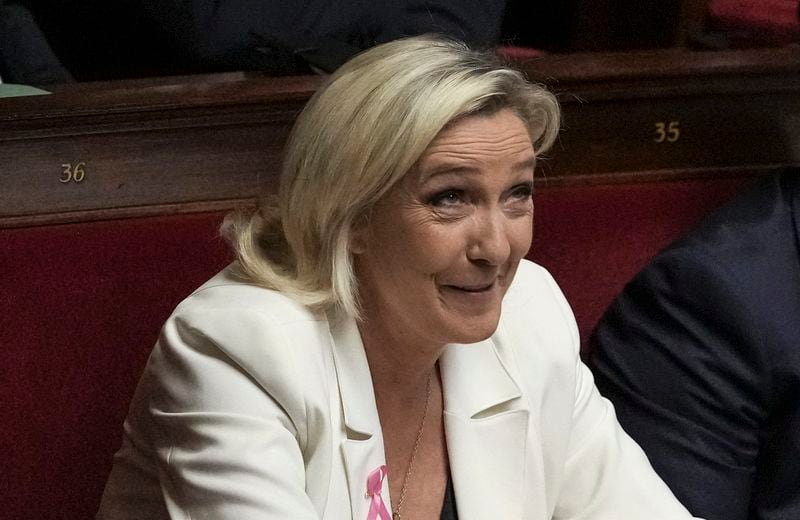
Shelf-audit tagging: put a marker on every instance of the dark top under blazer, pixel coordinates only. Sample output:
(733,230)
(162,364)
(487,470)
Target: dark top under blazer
(701,356)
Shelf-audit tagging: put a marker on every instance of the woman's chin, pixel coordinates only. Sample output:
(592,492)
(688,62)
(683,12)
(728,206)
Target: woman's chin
(476,329)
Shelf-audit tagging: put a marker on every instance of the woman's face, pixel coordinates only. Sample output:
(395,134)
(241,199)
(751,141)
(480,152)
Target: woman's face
(442,247)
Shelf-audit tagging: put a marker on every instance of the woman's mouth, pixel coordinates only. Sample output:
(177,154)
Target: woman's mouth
(473,288)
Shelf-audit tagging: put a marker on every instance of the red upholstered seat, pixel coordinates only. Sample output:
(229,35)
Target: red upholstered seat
(594,239)
(515,52)
(776,21)
(81,306)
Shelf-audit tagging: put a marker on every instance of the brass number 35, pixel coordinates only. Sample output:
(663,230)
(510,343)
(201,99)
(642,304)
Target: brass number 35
(70,173)
(667,132)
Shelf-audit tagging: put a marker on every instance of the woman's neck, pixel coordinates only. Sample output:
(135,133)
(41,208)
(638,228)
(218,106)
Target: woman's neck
(408,395)
(400,363)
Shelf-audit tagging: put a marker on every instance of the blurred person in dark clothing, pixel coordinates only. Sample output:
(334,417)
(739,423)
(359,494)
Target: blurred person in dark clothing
(25,54)
(700,354)
(98,40)
(282,37)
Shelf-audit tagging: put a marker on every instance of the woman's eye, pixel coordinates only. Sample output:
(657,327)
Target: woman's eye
(447,198)
(522,192)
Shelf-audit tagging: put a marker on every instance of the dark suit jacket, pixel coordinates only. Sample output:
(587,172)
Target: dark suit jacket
(701,356)
(265,34)
(25,54)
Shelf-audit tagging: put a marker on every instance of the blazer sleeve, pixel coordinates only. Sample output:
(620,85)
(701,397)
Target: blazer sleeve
(606,474)
(228,444)
(681,355)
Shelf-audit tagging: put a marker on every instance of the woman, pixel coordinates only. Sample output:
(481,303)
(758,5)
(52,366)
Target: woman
(383,317)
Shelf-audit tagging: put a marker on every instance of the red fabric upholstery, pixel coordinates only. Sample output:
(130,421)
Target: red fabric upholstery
(773,20)
(593,239)
(81,306)
(513,52)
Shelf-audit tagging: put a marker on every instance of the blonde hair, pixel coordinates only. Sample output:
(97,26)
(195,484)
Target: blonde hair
(356,138)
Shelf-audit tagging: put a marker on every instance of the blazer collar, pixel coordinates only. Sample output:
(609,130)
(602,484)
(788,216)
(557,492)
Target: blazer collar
(355,380)
(362,448)
(495,471)
(486,423)
(476,381)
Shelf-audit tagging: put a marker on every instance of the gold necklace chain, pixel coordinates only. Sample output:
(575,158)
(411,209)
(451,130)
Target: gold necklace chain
(396,509)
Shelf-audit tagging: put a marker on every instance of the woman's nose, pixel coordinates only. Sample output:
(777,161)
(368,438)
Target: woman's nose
(490,242)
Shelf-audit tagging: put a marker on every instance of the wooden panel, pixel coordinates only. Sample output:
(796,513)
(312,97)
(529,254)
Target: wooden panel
(677,133)
(672,114)
(681,69)
(86,172)
(143,147)
(188,144)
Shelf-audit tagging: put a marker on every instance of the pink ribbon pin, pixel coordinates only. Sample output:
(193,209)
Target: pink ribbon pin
(377,508)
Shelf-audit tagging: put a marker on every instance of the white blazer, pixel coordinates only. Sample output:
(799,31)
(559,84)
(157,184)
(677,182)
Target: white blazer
(251,407)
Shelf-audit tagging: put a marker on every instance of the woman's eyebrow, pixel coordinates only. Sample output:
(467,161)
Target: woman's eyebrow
(449,169)
(527,164)
(455,169)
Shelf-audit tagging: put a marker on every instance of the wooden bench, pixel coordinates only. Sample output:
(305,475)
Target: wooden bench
(112,193)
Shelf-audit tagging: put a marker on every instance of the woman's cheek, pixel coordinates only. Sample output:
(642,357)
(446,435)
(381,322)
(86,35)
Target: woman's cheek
(522,236)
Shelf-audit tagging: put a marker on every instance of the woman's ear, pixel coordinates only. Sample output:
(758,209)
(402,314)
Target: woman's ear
(358,236)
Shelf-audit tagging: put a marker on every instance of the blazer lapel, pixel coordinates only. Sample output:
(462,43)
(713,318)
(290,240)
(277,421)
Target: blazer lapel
(487,427)
(362,449)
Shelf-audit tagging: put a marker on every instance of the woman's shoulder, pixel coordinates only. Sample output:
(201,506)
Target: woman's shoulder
(535,310)
(532,285)
(235,348)
(263,332)
(228,293)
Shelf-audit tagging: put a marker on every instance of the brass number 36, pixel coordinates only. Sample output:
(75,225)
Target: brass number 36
(667,132)
(70,173)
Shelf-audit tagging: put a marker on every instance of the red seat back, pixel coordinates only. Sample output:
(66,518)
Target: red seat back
(82,304)
(594,239)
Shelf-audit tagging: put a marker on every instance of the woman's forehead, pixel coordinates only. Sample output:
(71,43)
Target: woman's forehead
(501,135)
